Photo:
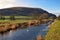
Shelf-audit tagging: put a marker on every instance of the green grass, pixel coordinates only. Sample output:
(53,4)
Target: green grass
(54,32)
(17,21)
(19,17)
(20,21)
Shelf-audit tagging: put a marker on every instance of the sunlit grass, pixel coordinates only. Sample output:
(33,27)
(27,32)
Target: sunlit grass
(17,20)
(20,21)
(19,16)
(54,32)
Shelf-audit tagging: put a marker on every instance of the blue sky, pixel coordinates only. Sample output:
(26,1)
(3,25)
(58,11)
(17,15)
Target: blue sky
(52,6)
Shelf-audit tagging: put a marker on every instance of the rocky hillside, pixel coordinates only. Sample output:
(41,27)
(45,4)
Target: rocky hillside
(23,11)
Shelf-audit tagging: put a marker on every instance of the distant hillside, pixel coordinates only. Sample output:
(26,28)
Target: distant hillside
(23,11)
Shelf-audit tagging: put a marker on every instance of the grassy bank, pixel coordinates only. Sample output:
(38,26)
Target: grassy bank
(26,21)
(8,24)
(54,32)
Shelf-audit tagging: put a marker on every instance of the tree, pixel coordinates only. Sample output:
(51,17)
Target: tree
(58,17)
(2,17)
(35,16)
(44,16)
(12,17)
(40,16)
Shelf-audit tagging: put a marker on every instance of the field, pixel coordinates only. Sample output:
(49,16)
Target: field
(19,16)
(19,19)
(54,32)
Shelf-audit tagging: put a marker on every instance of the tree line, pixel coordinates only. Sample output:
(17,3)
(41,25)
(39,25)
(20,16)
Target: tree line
(34,16)
(12,17)
(42,16)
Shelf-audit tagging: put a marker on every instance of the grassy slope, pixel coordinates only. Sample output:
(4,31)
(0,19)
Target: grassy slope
(54,32)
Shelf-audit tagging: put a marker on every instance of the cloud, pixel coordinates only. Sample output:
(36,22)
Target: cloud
(14,3)
(7,3)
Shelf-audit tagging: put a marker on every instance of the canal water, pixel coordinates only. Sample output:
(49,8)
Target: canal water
(27,33)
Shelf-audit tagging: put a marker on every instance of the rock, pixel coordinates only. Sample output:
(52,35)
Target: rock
(39,37)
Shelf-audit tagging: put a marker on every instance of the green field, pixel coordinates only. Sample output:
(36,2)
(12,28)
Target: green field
(24,19)
(54,32)
(18,16)
(15,21)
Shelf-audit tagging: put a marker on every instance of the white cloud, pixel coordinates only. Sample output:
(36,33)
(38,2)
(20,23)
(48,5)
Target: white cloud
(13,3)
(7,3)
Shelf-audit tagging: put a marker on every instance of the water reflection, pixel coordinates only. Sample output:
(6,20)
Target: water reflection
(25,34)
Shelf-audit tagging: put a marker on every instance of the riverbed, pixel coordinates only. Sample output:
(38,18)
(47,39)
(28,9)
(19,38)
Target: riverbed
(27,33)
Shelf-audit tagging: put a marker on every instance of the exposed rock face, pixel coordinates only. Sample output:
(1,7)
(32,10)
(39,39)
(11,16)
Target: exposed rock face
(24,11)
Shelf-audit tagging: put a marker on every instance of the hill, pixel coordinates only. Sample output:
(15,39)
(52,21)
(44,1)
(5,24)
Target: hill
(24,11)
